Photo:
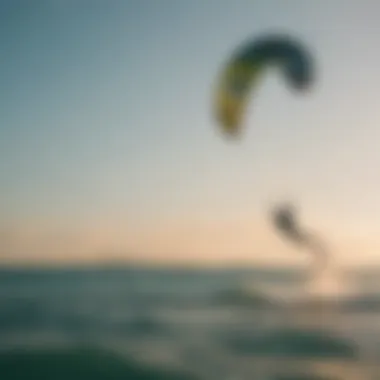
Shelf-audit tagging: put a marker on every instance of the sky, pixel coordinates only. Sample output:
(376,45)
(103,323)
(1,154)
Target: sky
(109,149)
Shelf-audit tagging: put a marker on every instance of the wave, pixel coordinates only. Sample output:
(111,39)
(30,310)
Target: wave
(362,303)
(79,364)
(296,343)
(241,297)
(257,297)
(302,377)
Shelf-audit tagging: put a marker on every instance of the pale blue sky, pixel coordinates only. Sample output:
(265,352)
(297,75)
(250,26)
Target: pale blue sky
(106,114)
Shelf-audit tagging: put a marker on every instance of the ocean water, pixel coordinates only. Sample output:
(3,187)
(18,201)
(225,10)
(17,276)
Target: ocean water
(135,323)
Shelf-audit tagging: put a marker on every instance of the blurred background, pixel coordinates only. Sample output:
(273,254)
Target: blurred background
(135,241)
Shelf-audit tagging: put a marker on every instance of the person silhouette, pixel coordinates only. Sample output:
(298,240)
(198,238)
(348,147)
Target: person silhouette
(284,219)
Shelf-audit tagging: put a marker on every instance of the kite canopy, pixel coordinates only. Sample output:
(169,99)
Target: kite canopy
(247,65)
